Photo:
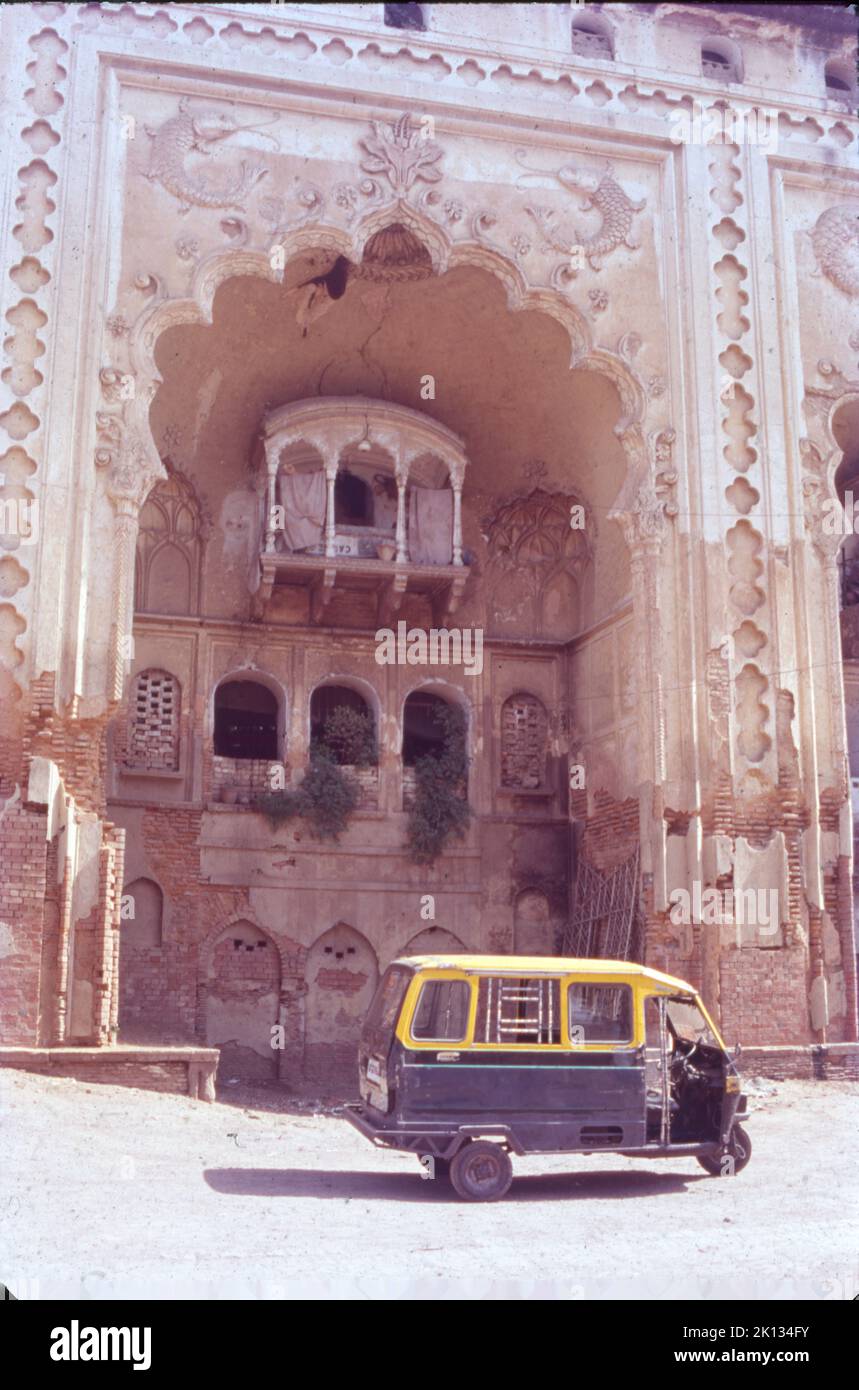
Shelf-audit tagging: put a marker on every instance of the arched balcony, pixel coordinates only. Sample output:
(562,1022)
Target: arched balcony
(365,495)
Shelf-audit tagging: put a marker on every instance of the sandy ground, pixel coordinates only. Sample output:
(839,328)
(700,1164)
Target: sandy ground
(109,1192)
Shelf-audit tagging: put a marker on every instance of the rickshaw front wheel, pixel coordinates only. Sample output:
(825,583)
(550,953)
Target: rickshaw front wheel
(481,1172)
(739,1149)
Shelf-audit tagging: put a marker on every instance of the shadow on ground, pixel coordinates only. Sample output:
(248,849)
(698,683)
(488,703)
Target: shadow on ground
(407,1187)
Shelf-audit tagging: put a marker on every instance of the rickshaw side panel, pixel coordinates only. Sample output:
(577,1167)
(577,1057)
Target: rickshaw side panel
(555,1102)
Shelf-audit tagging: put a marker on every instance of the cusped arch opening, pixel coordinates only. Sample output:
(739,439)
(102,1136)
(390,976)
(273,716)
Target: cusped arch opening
(485,338)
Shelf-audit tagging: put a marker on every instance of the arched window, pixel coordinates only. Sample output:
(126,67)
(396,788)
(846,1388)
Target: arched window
(245,721)
(404,16)
(141,914)
(423,731)
(720,61)
(153,722)
(342,722)
(353,501)
(592,37)
(524,738)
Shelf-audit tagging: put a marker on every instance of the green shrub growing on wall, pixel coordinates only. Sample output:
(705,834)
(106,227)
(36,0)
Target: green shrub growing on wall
(351,737)
(440,811)
(327,795)
(325,800)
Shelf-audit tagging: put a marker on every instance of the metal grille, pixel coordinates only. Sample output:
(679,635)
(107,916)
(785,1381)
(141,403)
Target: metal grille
(518,1010)
(605,921)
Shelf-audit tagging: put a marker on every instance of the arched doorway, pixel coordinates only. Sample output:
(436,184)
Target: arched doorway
(241,995)
(433,941)
(342,974)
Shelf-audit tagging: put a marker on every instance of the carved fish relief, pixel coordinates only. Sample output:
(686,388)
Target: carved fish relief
(187,133)
(605,196)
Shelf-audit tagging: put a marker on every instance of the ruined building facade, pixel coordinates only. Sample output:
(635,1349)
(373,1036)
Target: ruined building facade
(536,323)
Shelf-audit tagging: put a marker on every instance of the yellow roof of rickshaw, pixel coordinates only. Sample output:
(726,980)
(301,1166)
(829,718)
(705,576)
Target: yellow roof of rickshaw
(542,965)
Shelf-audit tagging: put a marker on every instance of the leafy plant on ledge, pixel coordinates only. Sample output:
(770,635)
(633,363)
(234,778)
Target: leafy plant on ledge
(349,736)
(439,811)
(328,795)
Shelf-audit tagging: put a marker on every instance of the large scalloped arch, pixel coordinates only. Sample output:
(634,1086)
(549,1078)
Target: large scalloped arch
(218,267)
(214,270)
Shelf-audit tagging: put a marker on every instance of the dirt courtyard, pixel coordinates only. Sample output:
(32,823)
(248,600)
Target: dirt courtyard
(109,1192)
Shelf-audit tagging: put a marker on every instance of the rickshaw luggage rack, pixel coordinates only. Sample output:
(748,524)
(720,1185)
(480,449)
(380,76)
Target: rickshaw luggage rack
(521,1025)
(604,917)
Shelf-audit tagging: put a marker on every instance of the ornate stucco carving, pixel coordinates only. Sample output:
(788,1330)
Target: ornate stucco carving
(532,549)
(648,495)
(190,133)
(605,196)
(402,154)
(835,239)
(820,501)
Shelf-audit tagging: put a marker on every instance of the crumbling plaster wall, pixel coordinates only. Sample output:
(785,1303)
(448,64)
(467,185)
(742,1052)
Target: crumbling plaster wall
(739,729)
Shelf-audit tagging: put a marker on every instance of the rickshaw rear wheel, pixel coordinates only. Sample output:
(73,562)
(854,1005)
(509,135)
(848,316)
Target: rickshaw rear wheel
(739,1149)
(481,1172)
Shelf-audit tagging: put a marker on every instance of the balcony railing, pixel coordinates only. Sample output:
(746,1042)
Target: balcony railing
(410,470)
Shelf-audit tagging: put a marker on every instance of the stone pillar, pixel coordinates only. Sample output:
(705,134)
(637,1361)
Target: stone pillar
(402,541)
(457,523)
(125,541)
(456,480)
(128,482)
(271,500)
(330,529)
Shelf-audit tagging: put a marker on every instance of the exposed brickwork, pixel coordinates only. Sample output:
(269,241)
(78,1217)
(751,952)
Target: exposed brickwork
(182,1071)
(820,1063)
(341,981)
(246,962)
(764,995)
(76,746)
(22,899)
(142,1002)
(245,777)
(611,831)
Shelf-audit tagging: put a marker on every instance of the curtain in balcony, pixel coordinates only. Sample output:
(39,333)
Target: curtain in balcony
(302,496)
(430,526)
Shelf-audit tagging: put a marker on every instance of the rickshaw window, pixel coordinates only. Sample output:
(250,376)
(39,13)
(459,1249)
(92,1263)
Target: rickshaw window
(687,1022)
(599,1013)
(385,1008)
(442,1011)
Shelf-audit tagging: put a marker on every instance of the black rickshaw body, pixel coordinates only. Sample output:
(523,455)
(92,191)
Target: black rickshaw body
(545,1055)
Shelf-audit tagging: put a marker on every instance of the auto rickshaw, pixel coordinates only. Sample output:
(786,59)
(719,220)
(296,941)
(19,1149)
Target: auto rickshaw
(465,1059)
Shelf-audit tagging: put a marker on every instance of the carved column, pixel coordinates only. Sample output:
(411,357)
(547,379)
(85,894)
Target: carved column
(331,467)
(271,459)
(642,517)
(820,504)
(456,480)
(402,475)
(130,466)
(127,510)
